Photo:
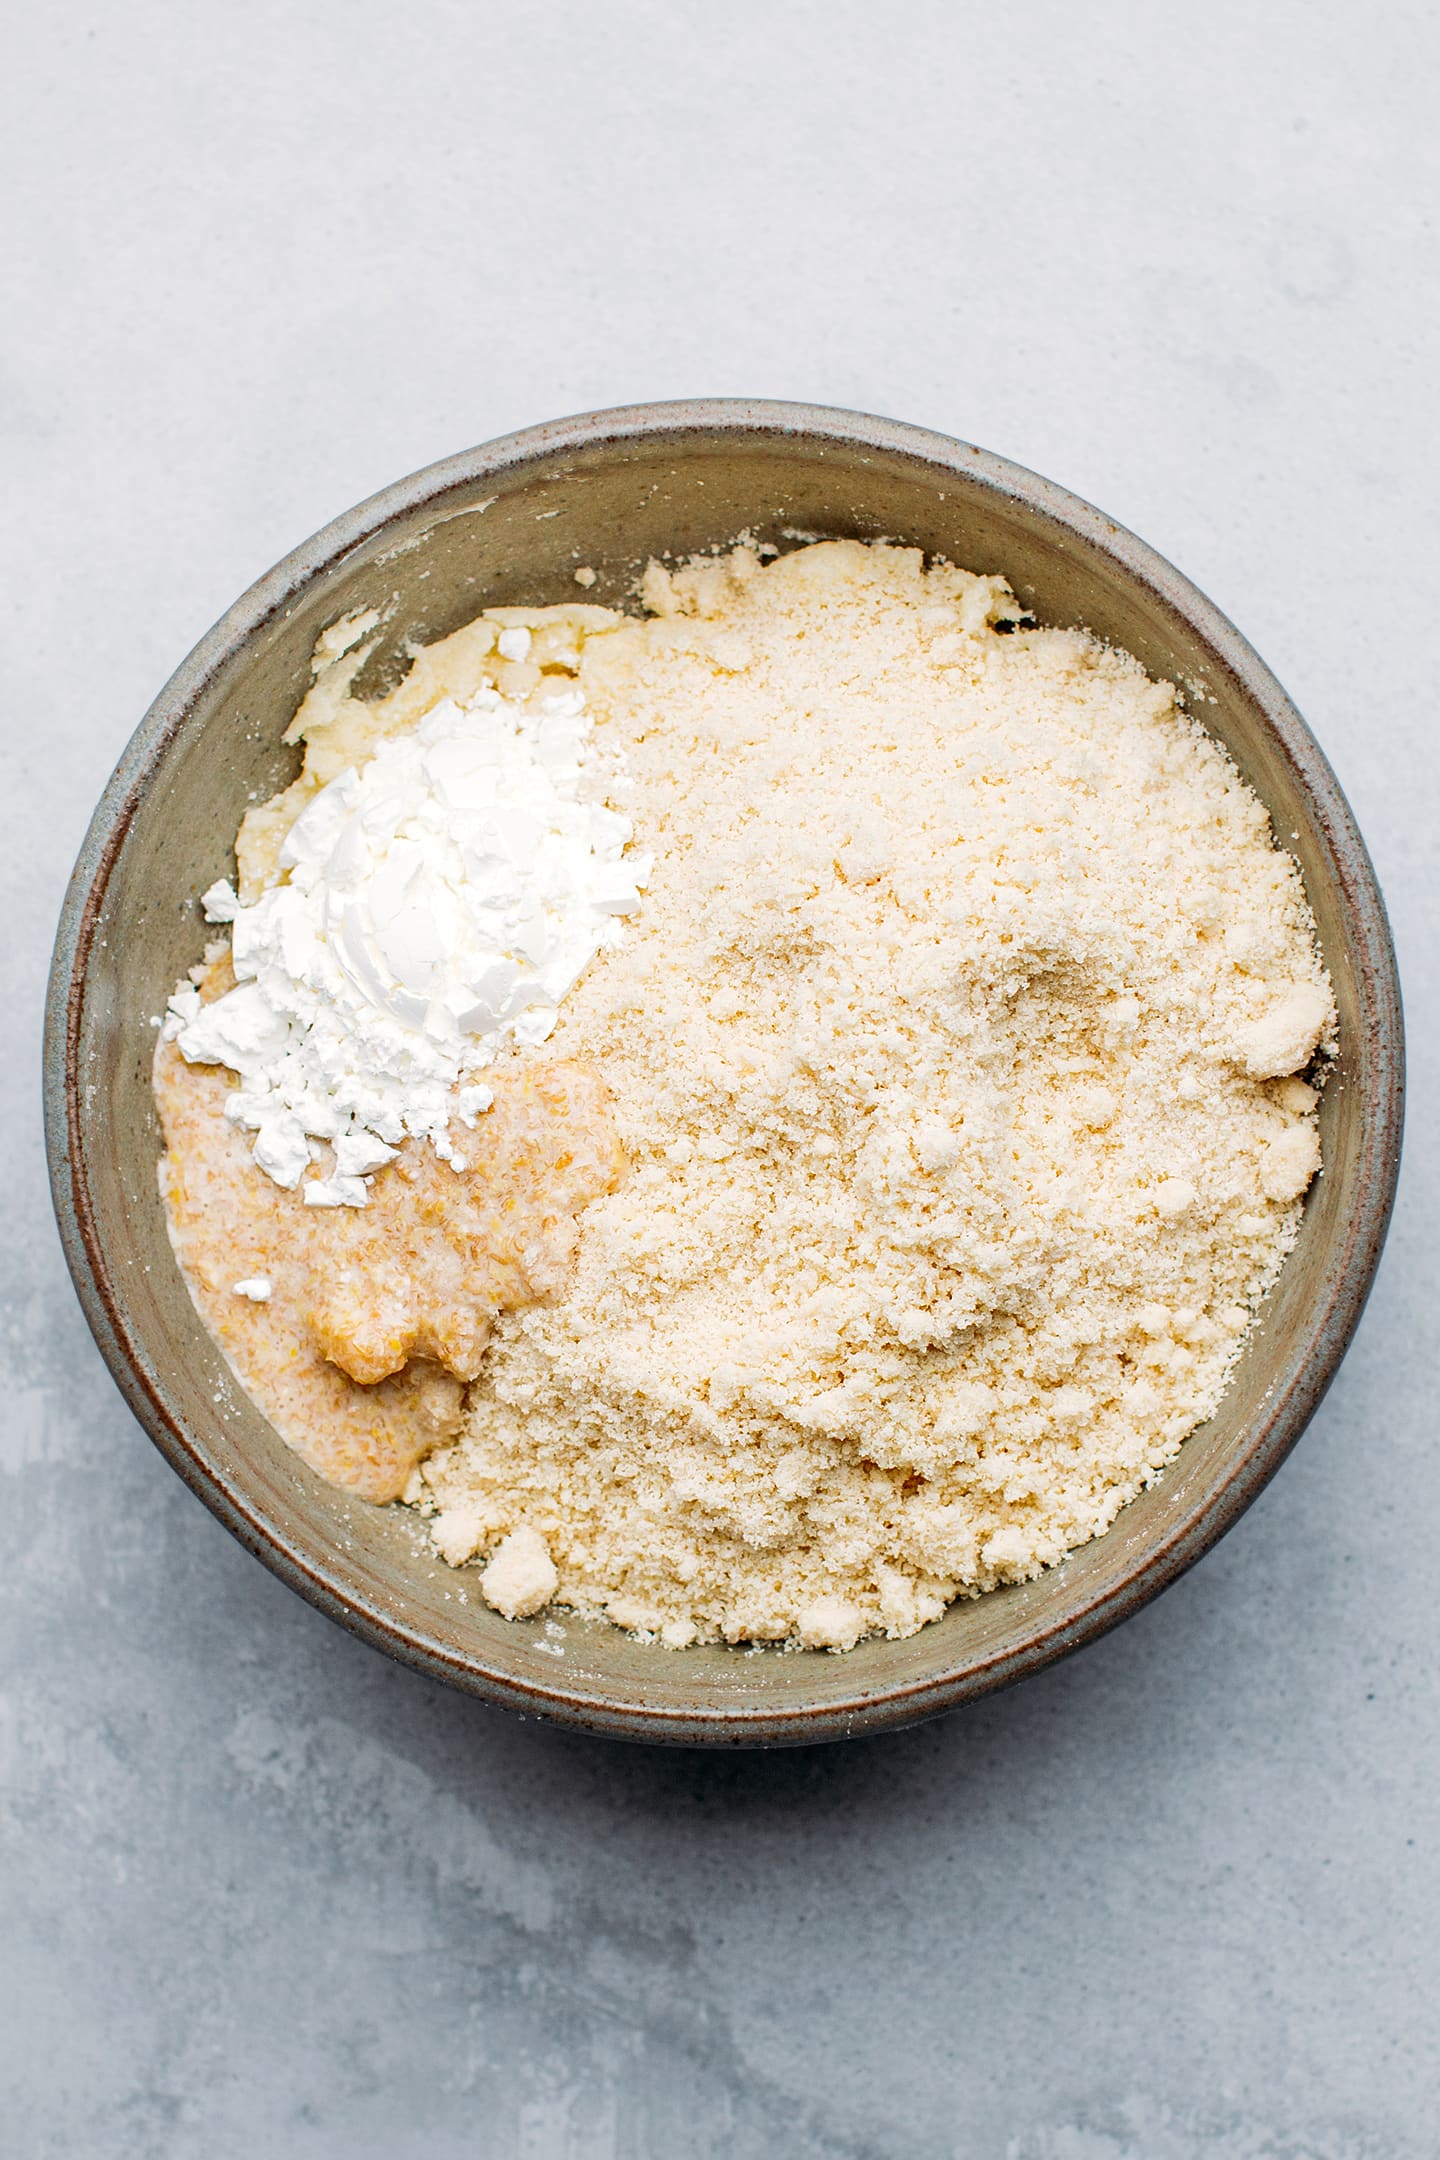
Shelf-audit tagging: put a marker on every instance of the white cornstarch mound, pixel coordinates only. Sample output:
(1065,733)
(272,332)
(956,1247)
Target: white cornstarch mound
(438,901)
(955,1054)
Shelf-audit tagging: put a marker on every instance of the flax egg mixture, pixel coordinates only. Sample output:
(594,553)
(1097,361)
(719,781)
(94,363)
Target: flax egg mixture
(757,1118)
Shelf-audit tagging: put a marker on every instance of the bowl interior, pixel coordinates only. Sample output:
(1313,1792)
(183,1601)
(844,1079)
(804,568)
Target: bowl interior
(511,525)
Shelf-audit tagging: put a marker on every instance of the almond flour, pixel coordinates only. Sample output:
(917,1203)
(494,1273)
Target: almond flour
(951,1055)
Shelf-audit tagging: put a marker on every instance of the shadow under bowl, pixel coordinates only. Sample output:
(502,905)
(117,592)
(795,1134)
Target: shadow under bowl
(509,523)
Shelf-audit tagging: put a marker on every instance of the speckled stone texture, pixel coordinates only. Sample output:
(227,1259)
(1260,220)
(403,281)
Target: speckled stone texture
(263,1893)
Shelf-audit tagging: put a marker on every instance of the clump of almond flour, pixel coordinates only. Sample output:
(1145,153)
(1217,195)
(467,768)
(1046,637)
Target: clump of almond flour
(955,1059)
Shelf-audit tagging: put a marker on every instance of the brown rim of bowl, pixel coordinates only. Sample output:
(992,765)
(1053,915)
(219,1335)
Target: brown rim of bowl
(1273,1435)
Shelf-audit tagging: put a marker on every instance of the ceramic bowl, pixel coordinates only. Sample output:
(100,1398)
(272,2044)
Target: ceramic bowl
(509,522)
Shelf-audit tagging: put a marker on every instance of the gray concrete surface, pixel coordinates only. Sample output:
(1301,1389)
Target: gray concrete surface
(264,1894)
